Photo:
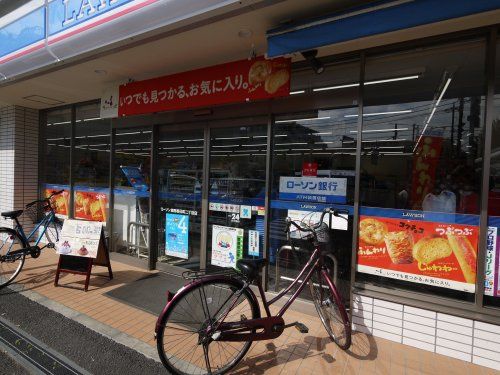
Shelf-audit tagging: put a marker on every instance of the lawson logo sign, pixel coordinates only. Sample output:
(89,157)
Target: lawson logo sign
(64,14)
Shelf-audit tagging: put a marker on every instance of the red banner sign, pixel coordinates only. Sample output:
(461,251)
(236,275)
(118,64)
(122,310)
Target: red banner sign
(309,169)
(233,82)
(425,162)
(436,254)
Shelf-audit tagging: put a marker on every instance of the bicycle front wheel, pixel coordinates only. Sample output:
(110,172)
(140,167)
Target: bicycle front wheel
(53,231)
(182,341)
(331,309)
(10,265)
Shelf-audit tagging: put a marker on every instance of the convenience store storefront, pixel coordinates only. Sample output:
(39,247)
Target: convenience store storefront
(403,135)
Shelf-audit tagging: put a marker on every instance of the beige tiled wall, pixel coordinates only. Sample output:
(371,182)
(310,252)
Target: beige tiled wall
(465,339)
(18,159)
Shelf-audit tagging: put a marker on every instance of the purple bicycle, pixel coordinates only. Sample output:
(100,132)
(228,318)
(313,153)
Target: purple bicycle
(208,326)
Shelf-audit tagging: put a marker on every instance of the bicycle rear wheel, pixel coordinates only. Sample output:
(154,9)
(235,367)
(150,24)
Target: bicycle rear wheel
(10,266)
(182,342)
(331,309)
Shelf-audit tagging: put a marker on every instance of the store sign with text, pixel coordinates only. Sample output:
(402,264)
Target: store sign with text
(234,82)
(427,252)
(177,235)
(313,189)
(492,262)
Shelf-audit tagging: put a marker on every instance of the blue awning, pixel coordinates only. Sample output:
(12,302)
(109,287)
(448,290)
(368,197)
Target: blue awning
(376,18)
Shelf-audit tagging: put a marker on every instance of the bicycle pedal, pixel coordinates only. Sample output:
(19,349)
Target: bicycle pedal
(301,327)
(50,245)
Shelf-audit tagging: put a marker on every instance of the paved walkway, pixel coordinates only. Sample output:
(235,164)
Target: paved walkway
(291,353)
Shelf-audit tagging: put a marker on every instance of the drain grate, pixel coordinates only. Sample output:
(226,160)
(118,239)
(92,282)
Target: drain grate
(33,354)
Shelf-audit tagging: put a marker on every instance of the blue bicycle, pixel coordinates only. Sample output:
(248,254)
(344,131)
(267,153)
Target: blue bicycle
(15,245)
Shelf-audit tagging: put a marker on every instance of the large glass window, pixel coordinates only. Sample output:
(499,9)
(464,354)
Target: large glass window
(56,166)
(492,281)
(132,161)
(91,164)
(421,171)
(237,194)
(313,167)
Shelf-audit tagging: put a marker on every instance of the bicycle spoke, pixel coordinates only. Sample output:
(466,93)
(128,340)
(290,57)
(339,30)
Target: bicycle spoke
(185,342)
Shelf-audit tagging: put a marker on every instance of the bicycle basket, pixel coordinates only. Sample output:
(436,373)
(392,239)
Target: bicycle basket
(323,234)
(36,211)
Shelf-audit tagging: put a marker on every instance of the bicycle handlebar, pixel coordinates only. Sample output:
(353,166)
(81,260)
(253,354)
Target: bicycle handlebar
(47,200)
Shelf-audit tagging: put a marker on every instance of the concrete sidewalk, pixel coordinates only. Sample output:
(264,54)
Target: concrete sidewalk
(291,353)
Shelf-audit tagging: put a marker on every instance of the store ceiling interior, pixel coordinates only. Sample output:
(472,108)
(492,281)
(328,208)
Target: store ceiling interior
(229,39)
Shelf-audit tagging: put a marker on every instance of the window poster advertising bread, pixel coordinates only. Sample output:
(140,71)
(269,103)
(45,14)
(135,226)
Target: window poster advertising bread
(60,202)
(410,247)
(91,205)
(492,266)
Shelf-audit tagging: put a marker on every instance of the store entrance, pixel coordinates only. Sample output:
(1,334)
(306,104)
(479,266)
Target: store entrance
(180,187)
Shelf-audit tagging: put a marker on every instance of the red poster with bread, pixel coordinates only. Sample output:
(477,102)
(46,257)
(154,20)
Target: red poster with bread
(91,205)
(60,202)
(431,253)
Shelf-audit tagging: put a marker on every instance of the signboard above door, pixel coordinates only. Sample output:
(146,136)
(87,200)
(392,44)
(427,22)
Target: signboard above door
(234,82)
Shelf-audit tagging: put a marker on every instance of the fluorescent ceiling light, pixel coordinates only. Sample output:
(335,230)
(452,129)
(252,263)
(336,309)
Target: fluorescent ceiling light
(303,119)
(192,147)
(130,133)
(326,133)
(382,113)
(448,81)
(91,119)
(336,87)
(291,144)
(355,84)
(177,140)
(56,139)
(405,78)
(239,155)
(297,92)
(255,145)
(192,140)
(174,148)
(226,138)
(381,130)
(223,146)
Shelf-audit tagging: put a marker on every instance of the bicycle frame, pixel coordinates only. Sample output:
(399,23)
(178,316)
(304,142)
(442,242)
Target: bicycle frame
(270,326)
(46,221)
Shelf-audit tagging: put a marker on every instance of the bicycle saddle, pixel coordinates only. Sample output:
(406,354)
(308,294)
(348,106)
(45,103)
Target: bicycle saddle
(250,267)
(11,214)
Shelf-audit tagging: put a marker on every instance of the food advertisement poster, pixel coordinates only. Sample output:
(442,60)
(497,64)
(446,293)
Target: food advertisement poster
(91,205)
(59,202)
(177,235)
(227,245)
(431,253)
(234,82)
(313,189)
(492,266)
(79,238)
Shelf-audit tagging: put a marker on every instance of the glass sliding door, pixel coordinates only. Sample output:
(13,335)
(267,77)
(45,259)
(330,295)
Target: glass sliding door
(236,194)
(132,160)
(180,179)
